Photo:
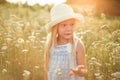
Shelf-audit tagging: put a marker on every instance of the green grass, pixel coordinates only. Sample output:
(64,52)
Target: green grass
(23,35)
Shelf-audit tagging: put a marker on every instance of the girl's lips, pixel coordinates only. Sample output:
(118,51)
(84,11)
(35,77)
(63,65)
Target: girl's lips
(68,34)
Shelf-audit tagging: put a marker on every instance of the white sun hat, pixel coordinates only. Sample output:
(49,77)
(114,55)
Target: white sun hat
(61,13)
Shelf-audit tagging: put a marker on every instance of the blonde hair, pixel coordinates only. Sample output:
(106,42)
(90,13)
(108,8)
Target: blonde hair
(50,42)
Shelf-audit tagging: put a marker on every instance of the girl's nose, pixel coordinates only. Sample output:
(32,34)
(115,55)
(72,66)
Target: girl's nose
(69,28)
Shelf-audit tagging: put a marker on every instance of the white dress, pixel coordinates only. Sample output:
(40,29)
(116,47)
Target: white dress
(59,66)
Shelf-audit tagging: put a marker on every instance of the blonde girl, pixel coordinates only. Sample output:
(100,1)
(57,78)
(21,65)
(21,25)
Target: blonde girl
(65,54)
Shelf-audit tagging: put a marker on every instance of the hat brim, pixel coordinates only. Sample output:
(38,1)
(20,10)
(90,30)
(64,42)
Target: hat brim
(76,16)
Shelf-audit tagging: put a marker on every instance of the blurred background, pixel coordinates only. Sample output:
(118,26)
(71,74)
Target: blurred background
(23,36)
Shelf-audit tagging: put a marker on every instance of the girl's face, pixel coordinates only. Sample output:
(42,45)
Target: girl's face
(66,28)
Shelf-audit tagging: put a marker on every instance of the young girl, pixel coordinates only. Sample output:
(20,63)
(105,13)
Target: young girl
(65,54)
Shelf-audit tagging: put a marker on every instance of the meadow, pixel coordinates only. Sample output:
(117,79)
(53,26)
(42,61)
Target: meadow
(23,35)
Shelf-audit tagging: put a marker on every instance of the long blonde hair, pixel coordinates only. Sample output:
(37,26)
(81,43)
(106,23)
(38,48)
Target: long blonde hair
(51,41)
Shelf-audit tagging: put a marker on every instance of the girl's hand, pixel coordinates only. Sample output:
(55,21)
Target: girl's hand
(80,71)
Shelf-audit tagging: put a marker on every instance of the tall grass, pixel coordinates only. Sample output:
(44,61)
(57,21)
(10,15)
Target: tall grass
(23,35)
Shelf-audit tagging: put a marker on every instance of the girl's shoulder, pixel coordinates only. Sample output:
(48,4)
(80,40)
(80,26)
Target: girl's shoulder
(79,43)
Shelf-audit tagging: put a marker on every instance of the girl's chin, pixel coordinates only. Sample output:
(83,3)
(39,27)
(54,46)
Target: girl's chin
(68,37)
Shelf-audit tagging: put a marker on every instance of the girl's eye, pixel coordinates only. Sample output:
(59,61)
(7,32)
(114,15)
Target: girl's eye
(64,25)
(72,24)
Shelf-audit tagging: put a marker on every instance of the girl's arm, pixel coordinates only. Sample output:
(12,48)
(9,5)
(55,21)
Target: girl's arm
(80,54)
(80,58)
(81,69)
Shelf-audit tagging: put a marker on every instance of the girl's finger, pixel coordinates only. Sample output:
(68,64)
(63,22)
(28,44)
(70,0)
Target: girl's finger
(75,71)
(80,67)
(71,73)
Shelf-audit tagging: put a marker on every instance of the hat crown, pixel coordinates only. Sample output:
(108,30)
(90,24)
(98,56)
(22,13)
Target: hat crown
(61,13)
(60,10)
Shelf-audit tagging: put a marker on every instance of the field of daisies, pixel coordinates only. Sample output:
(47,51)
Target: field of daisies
(23,35)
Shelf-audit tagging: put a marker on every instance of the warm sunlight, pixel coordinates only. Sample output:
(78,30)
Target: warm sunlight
(41,2)
(28,50)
